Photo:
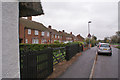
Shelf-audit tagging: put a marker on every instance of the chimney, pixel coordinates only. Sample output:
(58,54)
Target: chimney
(60,31)
(63,30)
(30,18)
(49,27)
(71,33)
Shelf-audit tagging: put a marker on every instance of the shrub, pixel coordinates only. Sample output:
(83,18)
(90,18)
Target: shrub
(39,46)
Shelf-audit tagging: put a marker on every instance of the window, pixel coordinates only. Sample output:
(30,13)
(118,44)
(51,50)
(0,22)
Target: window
(26,40)
(44,41)
(52,36)
(48,34)
(61,36)
(55,36)
(35,41)
(58,36)
(29,31)
(43,33)
(36,32)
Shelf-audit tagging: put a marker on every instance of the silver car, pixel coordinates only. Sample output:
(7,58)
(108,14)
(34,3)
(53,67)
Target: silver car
(104,48)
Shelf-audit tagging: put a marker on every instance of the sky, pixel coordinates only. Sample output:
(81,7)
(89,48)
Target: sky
(73,16)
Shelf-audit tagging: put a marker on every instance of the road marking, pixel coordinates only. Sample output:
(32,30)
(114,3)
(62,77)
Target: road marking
(93,67)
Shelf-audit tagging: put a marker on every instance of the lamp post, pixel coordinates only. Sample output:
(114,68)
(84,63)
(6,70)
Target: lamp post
(89,32)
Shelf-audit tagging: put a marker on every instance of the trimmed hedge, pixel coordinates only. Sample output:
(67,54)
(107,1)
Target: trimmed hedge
(35,47)
(39,46)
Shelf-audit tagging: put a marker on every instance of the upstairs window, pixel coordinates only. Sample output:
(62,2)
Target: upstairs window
(58,36)
(52,36)
(29,31)
(36,32)
(48,34)
(43,33)
(55,36)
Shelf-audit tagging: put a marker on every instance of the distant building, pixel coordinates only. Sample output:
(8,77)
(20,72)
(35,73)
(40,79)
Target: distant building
(31,32)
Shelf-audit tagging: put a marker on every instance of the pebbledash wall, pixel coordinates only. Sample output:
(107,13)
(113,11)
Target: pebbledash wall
(10,40)
(0,40)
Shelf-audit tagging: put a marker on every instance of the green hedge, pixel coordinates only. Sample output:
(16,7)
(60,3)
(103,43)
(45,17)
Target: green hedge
(39,46)
(118,47)
(44,46)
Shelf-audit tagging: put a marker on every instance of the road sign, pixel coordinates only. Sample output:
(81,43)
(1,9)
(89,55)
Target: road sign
(89,35)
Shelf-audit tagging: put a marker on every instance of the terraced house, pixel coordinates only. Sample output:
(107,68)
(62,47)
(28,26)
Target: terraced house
(32,32)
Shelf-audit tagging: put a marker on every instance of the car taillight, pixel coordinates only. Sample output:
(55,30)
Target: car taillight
(99,46)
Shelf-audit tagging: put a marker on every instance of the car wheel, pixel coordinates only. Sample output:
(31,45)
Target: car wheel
(110,54)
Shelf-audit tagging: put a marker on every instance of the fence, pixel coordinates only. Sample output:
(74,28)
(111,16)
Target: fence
(59,55)
(72,50)
(39,64)
(36,64)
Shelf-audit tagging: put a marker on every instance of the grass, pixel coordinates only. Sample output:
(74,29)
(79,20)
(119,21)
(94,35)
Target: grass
(118,47)
(115,44)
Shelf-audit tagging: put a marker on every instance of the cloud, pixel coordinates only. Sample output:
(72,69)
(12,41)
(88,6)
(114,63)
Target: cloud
(74,16)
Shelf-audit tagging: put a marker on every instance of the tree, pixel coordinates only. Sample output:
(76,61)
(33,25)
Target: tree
(114,39)
(94,37)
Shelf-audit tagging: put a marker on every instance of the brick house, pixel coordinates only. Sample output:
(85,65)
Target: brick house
(80,38)
(32,32)
(54,35)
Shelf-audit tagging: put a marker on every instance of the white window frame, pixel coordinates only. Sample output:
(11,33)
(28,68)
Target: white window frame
(36,32)
(35,41)
(55,36)
(48,34)
(26,40)
(52,36)
(29,31)
(42,33)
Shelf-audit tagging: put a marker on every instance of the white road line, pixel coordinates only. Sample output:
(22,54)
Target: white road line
(93,67)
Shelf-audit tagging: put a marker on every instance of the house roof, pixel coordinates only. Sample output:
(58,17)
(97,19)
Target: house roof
(27,9)
(33,25)
(54,31)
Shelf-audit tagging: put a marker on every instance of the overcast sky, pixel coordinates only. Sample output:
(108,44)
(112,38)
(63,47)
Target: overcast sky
(73,16)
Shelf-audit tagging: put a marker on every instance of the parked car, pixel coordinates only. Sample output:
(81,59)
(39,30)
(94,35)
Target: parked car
(104,48)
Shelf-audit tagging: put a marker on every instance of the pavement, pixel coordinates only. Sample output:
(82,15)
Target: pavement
(106,67)
(82,67)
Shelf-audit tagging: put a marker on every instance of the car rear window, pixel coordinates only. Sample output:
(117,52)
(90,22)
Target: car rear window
(104,45)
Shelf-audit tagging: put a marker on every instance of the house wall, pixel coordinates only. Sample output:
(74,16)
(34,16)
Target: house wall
(0,40)
(10,40)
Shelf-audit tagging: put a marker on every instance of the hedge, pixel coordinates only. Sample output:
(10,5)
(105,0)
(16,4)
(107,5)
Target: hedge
(39,46)
(44,46)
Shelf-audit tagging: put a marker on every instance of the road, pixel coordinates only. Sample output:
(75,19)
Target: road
(105,67)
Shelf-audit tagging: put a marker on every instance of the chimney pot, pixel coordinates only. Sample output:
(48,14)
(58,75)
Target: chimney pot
(30,18)
(63,30)
(49,27)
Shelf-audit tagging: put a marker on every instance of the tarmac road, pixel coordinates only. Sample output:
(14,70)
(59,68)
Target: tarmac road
(106,66)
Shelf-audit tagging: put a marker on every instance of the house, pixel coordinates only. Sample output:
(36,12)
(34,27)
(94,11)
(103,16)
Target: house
(10,66)
(32,32)
(54,35)
(80,38)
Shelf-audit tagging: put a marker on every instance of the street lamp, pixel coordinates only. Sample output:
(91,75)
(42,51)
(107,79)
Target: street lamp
(89,31)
